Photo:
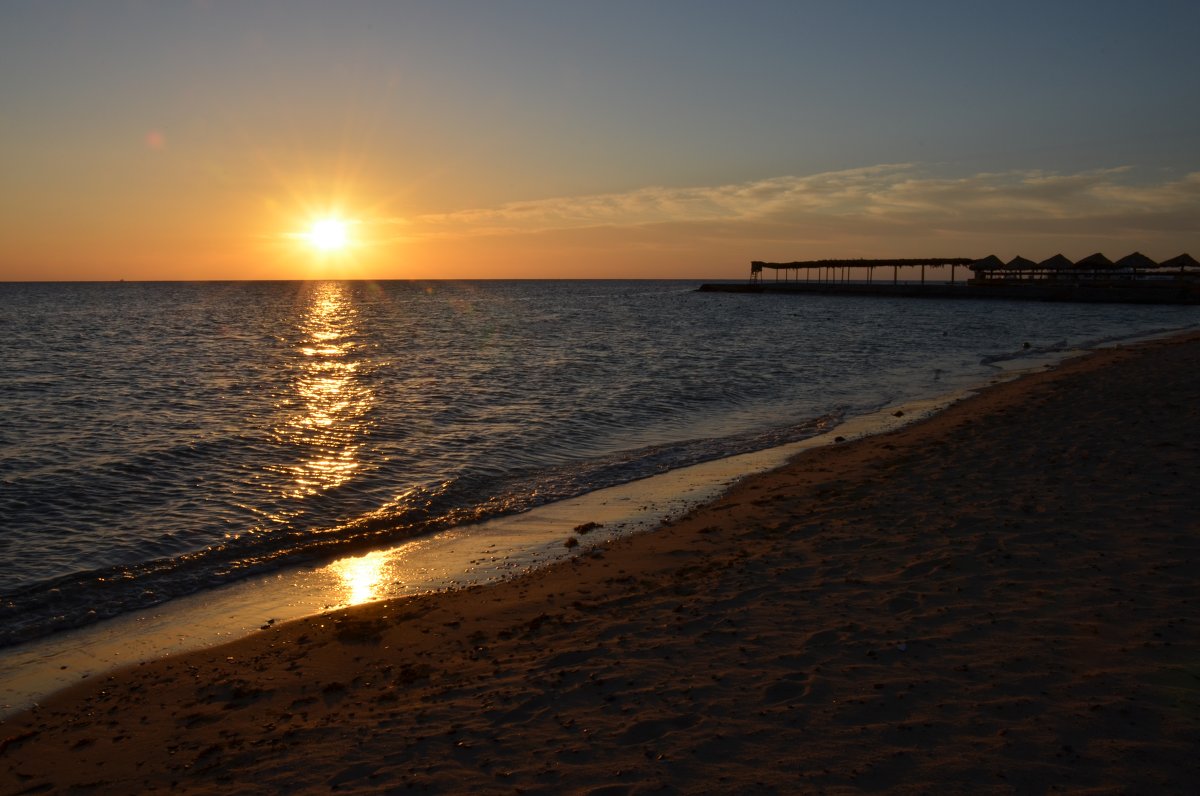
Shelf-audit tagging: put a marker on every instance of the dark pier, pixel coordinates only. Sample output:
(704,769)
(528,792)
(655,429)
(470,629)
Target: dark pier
(1133,279)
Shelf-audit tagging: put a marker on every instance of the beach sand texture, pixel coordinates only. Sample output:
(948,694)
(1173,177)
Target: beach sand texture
(1001,599)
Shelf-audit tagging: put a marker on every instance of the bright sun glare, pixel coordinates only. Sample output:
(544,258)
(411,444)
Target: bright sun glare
(328,235)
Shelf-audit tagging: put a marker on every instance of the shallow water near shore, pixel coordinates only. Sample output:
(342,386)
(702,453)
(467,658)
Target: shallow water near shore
(487,552)
(170,439)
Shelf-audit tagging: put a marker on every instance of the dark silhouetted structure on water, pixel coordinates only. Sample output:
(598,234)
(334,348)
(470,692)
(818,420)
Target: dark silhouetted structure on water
(1134,278)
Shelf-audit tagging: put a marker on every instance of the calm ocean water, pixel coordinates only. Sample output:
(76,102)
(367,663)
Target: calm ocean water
(159,439)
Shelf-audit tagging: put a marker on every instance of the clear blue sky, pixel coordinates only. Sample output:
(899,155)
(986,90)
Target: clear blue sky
(479,138)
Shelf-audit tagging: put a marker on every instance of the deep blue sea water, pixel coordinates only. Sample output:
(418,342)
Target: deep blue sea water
(161,438)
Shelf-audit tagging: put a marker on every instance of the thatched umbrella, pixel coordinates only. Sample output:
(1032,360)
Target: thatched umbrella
(1180,262)
(1058,261)
(1093,261)
(1136,260)
(1019,263)
(989,263)
(1057,264)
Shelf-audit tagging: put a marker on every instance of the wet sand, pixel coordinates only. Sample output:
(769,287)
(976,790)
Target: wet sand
(1002,598)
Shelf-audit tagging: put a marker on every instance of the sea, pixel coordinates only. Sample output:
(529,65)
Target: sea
(160,439)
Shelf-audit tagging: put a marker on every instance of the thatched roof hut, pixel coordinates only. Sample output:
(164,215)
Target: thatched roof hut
(989,263)
(1094,261)
(1136,260)
(1057,261)
(1180,262)
(1019,263)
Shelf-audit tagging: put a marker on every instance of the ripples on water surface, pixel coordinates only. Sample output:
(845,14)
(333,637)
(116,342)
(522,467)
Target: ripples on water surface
(161,438)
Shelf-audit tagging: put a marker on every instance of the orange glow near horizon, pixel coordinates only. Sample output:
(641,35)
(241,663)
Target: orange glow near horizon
(330,231)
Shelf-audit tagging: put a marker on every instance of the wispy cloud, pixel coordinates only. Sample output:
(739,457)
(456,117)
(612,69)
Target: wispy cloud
(897,197)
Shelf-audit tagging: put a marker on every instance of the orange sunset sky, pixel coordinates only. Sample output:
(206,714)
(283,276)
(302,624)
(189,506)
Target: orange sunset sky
(202,140)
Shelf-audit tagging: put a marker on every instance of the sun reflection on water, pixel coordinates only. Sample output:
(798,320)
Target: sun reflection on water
(329,400)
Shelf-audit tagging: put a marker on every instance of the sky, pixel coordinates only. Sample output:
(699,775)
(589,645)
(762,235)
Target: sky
(614,139)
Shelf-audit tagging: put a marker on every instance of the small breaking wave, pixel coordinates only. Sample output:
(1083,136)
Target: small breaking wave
(80,599)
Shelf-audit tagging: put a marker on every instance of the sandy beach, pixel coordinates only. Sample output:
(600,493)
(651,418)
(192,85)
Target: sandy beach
(1002,598)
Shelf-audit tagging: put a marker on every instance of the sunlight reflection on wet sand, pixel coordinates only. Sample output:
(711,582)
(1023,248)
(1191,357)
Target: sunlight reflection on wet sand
(362,576)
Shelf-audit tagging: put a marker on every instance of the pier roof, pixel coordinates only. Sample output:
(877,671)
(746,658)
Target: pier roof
(1136,260)
(1184,260)
(989,263)
(1057,261)
(873,263)
(1096,260)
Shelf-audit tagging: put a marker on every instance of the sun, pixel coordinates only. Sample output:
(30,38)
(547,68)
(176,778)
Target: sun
(328,235)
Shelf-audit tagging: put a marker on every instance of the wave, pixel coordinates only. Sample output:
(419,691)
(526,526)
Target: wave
(82,598)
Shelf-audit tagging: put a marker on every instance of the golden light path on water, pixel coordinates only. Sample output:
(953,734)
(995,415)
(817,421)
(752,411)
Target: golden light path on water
(330,399)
